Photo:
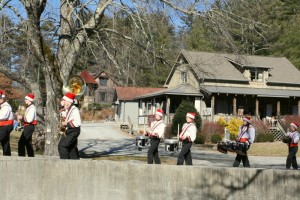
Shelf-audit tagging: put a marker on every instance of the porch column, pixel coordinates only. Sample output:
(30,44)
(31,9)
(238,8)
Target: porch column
(140,108)
(168,109)
(212,107)
(234,106)
(278,108)
(153,106)
(257,107)
(299,107)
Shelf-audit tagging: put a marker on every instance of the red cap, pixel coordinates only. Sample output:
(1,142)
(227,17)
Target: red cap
(191,115)
(69,97)
(294,124)
(30,97)
(247,119)
(2,94)
(159,112)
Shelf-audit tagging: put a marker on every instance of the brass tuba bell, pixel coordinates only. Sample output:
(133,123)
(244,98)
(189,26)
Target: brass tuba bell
(75,85)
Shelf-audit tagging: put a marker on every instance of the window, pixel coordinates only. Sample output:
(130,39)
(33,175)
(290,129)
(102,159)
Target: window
(102,96)
(183,77)
(256,75)
(103,81)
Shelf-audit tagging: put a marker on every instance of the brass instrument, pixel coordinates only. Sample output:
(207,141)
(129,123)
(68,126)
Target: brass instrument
(21,111)
(77,86)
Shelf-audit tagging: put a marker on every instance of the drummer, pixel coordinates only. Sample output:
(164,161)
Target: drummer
(156,132)
(246,135)
(187,136)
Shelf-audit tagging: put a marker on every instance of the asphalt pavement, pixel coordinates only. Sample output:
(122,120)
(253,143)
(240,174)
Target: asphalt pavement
(102,139)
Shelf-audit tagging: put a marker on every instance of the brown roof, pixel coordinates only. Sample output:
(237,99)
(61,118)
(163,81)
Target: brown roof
(129,93)
(220,66)
(87,77)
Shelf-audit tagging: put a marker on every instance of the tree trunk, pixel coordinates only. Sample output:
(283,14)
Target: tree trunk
(52,114)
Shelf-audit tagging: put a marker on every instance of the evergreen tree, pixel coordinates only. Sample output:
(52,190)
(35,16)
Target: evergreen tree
(180,116)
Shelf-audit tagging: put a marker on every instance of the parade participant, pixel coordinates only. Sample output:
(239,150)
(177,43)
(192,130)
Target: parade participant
(187,136)
(67,146)
(246,135)
(155,134)
(293,146)
(29,121)
(6,124)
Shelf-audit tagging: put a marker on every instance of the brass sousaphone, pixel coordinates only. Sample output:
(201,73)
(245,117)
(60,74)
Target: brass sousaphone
(77,86)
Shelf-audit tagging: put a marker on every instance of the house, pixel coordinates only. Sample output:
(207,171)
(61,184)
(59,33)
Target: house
(91,86)
(128,108)
(105,92)
(232,85)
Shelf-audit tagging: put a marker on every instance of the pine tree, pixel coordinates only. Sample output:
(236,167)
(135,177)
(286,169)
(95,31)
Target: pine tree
(180,115)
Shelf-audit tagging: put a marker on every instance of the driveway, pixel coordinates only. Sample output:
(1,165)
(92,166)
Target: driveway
(100,139)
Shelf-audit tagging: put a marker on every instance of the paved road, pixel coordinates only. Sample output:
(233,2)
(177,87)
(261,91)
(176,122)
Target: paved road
(98,139)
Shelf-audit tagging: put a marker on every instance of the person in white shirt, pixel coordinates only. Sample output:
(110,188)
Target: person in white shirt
(291,159)
(246,135)
(6,124)
(29,122)
(156,132)
(67,146)
(187,136)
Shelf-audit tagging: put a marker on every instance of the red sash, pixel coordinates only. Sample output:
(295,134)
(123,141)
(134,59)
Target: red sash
(6,122)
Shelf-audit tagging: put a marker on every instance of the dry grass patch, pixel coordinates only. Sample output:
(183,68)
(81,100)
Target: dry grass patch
(269,149)
(164,160)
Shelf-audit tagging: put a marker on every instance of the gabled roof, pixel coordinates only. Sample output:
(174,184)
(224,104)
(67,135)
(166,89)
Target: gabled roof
(130,93)
(183,89)
(221,67)
(87,77)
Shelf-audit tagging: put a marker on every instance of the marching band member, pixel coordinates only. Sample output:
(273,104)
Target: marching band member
(67,146)
(246,135)
(187,136)
(6,124)
(155,134)
(293,146)
(29,121)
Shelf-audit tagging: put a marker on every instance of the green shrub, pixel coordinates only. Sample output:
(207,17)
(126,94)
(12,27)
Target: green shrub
(200,139)
(264,137)
(215,138)
(180,116)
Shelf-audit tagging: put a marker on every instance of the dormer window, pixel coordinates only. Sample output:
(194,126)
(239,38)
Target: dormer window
(256,75)
(183,77)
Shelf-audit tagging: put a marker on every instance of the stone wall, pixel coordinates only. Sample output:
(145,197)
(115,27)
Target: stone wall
(39,178)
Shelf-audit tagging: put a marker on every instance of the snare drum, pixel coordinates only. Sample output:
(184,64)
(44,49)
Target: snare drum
(240,148)
(141,141)
(221,147)
(171,145)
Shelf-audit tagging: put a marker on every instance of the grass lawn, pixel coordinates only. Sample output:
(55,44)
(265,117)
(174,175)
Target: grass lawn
(163,160)
(272,149)
(269,149)
(14,139)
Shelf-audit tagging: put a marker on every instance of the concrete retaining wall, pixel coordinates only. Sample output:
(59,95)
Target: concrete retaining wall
(39,179)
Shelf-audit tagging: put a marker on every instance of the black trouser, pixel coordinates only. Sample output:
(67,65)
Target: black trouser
(4,139)
(243,158)
(26,141)
(291,158)
(67,146)
(153,151)
(185,154)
